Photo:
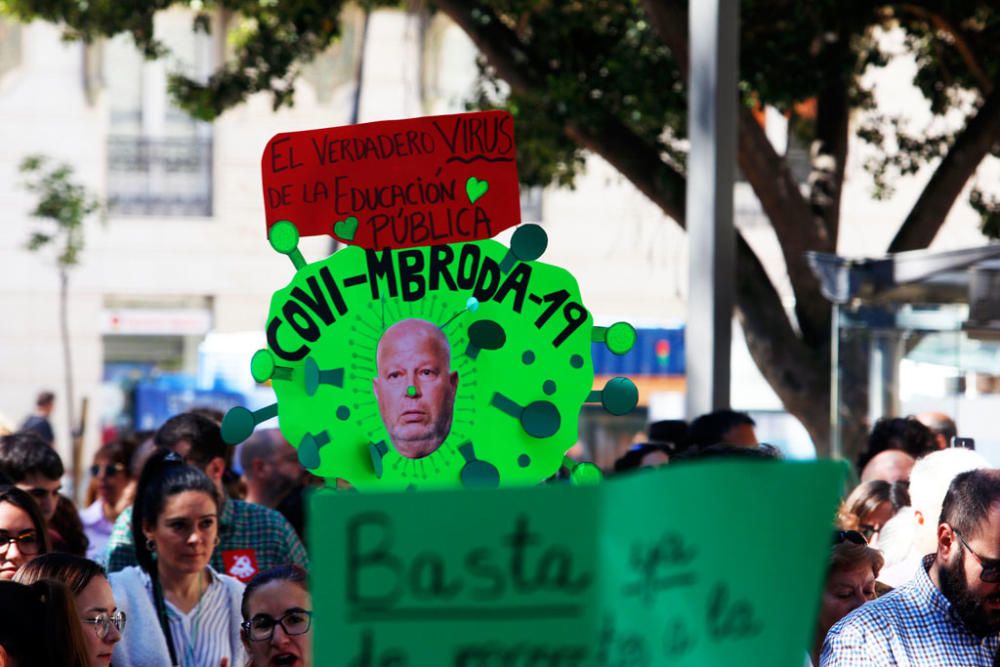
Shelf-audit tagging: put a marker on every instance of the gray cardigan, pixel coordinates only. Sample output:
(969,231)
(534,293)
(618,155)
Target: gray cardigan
(143,643)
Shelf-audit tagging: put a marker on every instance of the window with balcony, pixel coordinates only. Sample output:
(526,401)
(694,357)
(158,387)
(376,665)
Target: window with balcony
(159,158)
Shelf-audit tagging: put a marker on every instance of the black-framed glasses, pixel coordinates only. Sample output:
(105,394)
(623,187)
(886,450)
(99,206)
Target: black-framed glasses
(990,572)
(868,531)
(109,470)
(293,622)
(852,536)
(27,542)
(102,623)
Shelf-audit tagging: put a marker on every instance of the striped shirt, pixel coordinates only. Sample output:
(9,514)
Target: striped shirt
(911,626)
(252,538)
(201,636)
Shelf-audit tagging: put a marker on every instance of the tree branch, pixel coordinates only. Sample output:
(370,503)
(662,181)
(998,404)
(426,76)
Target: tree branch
(829,157)
(626,151)
(797,372)
(959,41)
(975,140)
(772,182)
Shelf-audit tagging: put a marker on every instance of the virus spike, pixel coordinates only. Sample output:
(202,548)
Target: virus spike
(309,449)
(263,367)
(477,472)
(314,376)
(377,451)
(619,396)
(471,306)
(582,474)
(284,238)
(620,337)
(484,335)
(527,244)
(539,419)
(239,423)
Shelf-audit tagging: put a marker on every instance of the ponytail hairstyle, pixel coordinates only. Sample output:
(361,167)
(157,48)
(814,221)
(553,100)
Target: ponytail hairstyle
(164,475)
(32,615)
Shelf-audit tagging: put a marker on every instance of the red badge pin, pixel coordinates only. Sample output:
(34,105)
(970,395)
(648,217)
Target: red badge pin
(240,563)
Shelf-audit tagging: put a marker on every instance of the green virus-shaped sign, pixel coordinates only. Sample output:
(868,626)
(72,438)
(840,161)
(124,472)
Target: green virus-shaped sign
(441,365)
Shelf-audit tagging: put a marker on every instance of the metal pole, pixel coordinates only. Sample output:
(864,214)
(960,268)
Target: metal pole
(712,100)
(836,431)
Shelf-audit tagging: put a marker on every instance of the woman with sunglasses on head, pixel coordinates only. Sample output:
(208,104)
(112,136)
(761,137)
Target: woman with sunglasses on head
(277,618)
(102,622)
(180,610)
(870,506)
(850,582)
(110,483)
(23,534)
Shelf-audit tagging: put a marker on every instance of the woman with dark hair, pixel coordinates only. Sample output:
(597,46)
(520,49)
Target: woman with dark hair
(277,618)
(101,622)
(38,626)
(180,610)
(850,582)
(22,530)
(110,481)
(870,506)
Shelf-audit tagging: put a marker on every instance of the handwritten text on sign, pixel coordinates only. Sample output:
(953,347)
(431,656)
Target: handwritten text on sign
(575,576)
(396,184)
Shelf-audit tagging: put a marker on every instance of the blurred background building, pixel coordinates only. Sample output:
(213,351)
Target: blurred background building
(172,294)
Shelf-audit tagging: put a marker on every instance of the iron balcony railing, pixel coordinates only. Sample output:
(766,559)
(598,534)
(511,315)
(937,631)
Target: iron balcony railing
(168,177)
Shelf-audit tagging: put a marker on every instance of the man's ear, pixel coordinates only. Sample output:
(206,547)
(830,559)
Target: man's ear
(4,658)
(919,516)
(215,468)
(453,378)
(946,540)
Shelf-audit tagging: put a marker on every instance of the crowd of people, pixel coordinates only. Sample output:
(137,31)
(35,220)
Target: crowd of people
(173,559)
(913,577)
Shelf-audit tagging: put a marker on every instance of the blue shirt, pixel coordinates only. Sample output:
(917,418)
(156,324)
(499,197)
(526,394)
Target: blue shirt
(911,626)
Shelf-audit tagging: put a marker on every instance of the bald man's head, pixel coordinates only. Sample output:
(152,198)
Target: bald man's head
(891,465)
(415,386)
(941,425)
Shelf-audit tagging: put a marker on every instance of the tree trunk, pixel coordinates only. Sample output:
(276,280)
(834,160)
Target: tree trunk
(75,435)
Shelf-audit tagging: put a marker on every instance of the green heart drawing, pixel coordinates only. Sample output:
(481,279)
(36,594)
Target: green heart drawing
(346,229)
(475,188)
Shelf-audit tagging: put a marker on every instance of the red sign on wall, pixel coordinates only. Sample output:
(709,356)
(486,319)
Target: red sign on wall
(396,184)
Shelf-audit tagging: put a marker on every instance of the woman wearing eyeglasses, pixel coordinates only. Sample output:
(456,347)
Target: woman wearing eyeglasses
(103,623)
(277,618)
(180,611)
(22,530)
(110,482)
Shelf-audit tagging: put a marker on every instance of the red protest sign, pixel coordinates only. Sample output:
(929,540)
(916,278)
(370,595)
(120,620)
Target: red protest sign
(396,184)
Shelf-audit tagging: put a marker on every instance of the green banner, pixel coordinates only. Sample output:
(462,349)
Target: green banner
(701,564)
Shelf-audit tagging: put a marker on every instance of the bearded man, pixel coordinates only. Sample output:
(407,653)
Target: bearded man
(949,614)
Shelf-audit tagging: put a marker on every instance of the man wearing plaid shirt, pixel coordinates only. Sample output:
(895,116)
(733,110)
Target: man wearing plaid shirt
(252,538)
(949,615)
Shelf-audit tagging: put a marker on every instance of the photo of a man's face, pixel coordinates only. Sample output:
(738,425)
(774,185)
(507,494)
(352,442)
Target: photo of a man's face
(415,386)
